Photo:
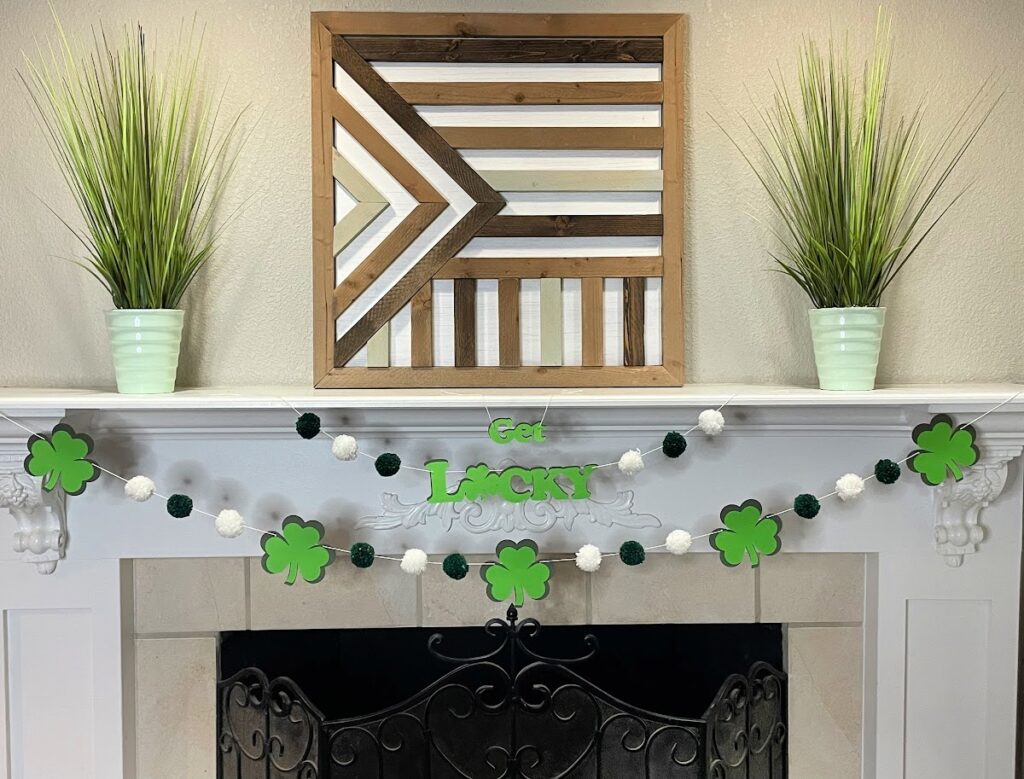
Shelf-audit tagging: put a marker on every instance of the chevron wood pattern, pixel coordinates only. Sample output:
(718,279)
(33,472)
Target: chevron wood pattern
(597,288)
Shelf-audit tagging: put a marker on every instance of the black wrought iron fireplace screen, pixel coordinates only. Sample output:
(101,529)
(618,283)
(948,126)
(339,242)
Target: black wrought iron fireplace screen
(509,711)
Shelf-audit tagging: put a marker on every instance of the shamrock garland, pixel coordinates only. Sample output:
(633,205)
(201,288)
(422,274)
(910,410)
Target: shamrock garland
(517,574)
(62,460)
(297,549)
(943,450)
(747,534)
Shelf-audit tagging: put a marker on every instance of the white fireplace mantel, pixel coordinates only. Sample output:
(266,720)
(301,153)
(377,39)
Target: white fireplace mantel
(944,571)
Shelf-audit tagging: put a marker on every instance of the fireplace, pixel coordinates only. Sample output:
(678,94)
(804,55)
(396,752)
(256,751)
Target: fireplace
(688,701)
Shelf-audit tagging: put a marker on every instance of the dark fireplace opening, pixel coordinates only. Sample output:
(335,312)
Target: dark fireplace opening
(512,699)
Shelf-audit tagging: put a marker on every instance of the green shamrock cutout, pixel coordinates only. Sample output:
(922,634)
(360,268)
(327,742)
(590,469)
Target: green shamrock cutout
(943,450)
(297,549)
(60,459)
(747,534)
(517,574)
(480,481)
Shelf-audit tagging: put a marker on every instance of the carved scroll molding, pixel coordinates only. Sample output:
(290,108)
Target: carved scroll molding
(958,504)
(40,517)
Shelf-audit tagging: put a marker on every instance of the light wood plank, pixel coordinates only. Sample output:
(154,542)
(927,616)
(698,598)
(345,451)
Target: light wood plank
(574,180)
(322,125)
(354,182)
(571,226)
(633,321)
(509,352)
(580,203)
(358,218)
(423,327)
(378,348)
(496,25)
(672,201)
(526,376)
(543,267)
(465,323)
(592,305)
(506,49)
(550,322)
(552,137)
(386,252)
(531,93)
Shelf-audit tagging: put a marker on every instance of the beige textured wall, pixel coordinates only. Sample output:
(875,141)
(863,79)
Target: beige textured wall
(955,314)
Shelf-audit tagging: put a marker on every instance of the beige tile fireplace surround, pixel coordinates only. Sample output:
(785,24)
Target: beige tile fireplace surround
(180,606)
(901,609)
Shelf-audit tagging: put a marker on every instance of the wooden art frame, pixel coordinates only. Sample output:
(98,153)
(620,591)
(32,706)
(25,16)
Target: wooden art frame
(352,41)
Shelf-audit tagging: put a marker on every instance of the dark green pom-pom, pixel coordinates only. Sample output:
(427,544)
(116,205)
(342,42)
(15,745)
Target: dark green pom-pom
(886,471)
(632,553)
(674,444)
(308,425)
(388,464)
(179,506)
(455,566)
(362,555)
(806,506)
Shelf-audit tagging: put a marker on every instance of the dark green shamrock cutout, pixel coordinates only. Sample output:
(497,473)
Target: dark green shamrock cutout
(61,460)
(517,574)
(480,481)
(943,450)
(297,549)
(747,534)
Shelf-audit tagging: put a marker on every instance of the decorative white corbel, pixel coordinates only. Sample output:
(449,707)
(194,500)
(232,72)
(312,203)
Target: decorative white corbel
(40,518)
(958,504)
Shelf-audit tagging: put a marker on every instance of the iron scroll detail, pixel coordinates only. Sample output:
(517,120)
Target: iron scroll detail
(507,713)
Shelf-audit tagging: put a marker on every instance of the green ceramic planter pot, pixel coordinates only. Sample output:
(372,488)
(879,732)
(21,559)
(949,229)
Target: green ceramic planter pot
(145,344)
(846,346)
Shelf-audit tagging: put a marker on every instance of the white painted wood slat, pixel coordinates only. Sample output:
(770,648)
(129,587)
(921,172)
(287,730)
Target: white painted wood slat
(542,116)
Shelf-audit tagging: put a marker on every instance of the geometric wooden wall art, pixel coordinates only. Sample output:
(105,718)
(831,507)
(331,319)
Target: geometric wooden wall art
(497,199)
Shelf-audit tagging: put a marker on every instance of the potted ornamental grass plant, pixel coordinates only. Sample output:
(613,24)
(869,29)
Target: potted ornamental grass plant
(146,159)
(856,189)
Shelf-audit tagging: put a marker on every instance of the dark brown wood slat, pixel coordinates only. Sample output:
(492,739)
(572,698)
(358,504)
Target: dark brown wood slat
(423,327)
(506,50)
(465,323)
(633,321)
(552,137)
(509,341)
(490,25)
(531,93)
(549,267)
(563,226)
(592,321)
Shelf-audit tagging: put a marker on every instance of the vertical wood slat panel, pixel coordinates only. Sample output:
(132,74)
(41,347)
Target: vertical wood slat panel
(378,348)
(592,305)
(633,302)
(465,323)
(672,200)
(423,327)
(551,322)
(510,353)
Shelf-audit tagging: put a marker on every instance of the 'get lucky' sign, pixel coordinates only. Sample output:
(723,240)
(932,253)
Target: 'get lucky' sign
(515,484)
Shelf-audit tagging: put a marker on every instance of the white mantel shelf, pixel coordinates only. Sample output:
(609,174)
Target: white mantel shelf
(276,397)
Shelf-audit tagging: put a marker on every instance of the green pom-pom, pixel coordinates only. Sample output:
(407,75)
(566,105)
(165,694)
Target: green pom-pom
(179,506)
(308,425)
(674,444)
(388,464)
(455,566)
(886,471)
(632,553)
(806,506)
(362,555)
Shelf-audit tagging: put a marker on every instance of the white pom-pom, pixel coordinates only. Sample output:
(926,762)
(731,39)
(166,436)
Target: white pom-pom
(139,488)
(414,561)
(631,462)
(678,542)
(711,421)
(849,486)
(588,558)
(345,447)
(229,523)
